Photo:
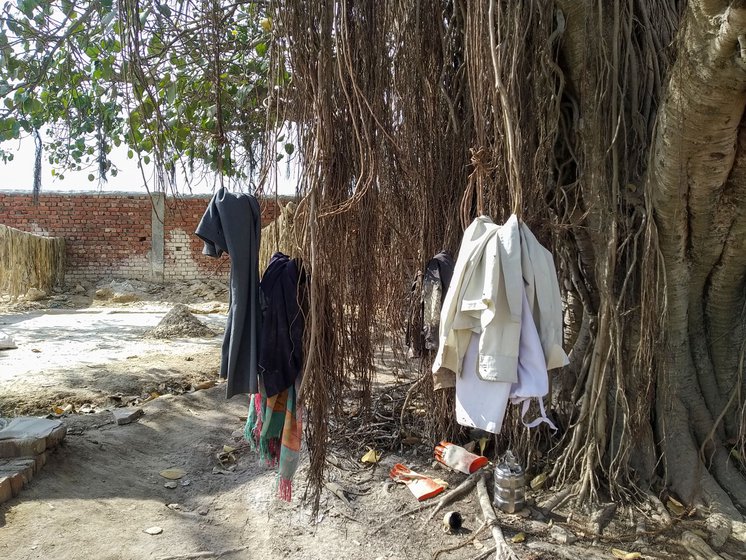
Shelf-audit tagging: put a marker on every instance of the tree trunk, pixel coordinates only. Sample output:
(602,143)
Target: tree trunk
(614,129)
(698,190)
(695,190)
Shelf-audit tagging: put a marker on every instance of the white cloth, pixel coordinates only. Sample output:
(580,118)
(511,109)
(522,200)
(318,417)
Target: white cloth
(542,290)
(485,297)
(482,404)
(533,379)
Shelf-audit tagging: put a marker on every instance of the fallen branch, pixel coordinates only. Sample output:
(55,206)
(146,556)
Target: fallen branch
(204,554)
(461,491)
(556,501)
(503,549)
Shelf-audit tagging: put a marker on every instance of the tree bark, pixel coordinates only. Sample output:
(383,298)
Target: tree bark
(701,231)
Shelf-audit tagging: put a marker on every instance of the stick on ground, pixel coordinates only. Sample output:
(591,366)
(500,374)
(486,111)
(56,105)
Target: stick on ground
(504,552)
(461,491)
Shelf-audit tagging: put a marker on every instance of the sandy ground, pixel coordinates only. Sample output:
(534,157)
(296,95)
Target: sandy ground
(78,356)
(101,489)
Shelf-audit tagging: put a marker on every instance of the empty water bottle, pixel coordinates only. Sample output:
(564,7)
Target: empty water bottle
(510,483)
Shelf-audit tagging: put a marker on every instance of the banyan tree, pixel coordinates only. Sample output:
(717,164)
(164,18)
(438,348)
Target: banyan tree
(613,129)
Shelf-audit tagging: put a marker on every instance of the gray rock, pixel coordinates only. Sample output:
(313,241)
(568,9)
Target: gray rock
(127,415)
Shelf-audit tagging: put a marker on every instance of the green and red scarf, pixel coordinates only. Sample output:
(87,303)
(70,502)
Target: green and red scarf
(274,425)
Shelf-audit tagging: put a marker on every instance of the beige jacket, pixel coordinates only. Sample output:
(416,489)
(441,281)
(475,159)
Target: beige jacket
(485,296)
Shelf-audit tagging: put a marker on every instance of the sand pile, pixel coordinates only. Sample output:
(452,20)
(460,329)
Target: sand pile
(180,323)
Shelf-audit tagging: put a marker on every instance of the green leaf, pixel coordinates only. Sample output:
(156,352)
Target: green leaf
(91,177)
(289,148)
(261,49)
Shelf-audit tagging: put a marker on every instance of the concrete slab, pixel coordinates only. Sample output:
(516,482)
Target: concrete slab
(28,436)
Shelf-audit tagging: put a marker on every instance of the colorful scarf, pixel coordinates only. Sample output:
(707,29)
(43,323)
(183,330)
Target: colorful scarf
(274,425)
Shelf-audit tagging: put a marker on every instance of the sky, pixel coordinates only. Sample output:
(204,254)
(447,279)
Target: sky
(18,175)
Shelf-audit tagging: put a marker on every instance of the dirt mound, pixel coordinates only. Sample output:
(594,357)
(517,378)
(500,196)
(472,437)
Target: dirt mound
(180,323)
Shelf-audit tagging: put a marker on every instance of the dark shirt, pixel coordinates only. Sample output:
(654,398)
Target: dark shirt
(232,224)
(435,283)
(281,346)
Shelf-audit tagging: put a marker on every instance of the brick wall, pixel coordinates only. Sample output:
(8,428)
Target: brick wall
(112,235)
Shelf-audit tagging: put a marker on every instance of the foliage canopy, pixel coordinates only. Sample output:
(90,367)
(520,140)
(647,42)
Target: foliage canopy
(177,82)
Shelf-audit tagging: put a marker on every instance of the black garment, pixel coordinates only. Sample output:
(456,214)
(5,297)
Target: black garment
(426,300)
(438,274)
(232,224)
(281,342)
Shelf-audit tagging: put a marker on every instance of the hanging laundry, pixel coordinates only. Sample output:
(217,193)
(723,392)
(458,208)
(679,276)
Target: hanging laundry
(484,297)
(426,300)
(501,324)
(482,404)
(275,426)
(436,281)
(281,339)
(231,224)
(274,423)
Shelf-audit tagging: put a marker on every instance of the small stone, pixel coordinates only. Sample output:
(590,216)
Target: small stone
(104,293)
(120,297)
(153,530)
(562,535)
(171,484)
(127,415)
(186,482)
(173,473)
(203,511)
